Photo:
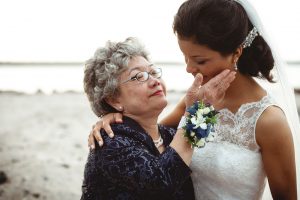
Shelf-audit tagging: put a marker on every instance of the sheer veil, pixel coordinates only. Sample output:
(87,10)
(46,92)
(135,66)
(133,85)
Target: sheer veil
(281,91)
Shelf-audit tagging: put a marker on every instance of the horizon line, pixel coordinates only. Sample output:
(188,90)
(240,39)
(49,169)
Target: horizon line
(67,63)
(296,62)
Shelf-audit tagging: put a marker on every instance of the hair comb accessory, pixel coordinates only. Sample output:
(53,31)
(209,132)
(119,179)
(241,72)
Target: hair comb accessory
(250,37)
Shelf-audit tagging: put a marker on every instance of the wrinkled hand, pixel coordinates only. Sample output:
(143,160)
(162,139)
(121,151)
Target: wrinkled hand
(103,123)
(213,91)
(194,93)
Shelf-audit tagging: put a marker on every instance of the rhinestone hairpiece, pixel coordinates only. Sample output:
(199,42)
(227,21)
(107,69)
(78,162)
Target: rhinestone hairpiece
(250,37)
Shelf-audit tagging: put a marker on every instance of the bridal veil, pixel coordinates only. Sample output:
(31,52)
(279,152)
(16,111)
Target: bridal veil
(281,91)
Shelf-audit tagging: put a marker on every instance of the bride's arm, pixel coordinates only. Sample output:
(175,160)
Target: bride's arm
(173,118)
(274,137)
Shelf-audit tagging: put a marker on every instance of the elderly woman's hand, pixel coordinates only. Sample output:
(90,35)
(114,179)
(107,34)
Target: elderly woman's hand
(103,123)
(213,91)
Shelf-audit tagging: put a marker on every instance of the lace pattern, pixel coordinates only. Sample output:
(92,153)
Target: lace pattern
(231,166)
(239,128)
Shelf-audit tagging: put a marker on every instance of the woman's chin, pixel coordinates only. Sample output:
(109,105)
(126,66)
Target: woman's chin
(165,104)
(161,106)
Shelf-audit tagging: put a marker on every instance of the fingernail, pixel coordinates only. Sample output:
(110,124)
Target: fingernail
(92,147)
(100,143)
(111,135)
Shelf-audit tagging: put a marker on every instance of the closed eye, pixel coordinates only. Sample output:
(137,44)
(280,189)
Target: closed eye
(201,62)
(154,72)
(134,77)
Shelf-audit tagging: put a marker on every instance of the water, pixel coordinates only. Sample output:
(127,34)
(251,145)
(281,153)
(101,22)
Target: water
(62,78)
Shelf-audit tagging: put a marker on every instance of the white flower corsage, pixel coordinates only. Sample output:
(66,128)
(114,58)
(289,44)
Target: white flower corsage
(199,124)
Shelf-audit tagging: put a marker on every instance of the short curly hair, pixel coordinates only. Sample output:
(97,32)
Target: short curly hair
(102,72)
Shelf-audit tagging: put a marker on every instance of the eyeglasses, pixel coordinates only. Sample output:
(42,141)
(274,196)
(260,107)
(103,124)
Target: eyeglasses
(144,76)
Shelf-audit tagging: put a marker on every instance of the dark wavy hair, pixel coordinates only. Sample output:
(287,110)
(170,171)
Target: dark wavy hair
(222,25)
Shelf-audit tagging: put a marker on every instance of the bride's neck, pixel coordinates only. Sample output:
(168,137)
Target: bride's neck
(239,85)
(242,90)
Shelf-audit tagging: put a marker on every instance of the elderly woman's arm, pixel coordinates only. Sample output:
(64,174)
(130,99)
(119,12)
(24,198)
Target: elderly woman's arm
(213,92)
(128,164)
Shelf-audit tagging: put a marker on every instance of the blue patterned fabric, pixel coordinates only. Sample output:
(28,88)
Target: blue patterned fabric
(129,166)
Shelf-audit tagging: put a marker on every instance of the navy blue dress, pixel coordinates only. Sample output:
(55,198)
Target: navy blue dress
(129,166)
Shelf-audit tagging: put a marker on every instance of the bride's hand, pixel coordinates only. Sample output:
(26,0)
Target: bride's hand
(213,91)
(103,123)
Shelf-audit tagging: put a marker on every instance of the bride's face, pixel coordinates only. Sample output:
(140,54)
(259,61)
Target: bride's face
(201,59)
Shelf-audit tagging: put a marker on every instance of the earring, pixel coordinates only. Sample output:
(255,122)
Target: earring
(235,65)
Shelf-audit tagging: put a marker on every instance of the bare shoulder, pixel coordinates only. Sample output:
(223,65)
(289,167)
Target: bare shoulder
(272,127)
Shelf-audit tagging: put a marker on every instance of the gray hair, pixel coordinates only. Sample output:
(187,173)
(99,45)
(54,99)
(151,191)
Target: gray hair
(102,72)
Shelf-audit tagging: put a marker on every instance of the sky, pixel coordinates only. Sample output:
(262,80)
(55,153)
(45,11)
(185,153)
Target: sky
(71,30)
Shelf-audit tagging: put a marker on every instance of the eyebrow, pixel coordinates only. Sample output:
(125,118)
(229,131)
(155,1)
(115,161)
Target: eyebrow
(202,57)
(139,67)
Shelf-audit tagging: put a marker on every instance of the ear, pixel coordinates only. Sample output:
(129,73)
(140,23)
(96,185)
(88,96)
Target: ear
(236,54)
(115,103)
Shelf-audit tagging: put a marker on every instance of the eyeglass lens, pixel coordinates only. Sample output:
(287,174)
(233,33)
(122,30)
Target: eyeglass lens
(144,76)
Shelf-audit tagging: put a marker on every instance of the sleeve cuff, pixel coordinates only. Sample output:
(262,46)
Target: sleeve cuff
(176,165)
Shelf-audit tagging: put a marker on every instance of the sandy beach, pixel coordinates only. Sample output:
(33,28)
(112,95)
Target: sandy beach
(43,144)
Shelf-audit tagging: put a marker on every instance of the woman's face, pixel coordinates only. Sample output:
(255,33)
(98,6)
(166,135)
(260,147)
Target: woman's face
(201,59)
(142,98)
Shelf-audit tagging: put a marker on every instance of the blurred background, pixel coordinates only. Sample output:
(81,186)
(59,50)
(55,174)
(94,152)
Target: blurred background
(45,43)
(45,118)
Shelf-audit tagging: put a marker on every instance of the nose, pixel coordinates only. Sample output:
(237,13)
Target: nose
(153,81)
(190,68)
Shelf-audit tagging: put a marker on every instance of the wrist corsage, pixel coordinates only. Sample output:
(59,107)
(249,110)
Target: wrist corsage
(199,124)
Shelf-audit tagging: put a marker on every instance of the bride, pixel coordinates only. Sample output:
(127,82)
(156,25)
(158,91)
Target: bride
(257,135)
(253,137)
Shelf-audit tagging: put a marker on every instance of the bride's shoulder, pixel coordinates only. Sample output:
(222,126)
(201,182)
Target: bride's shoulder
(272,126)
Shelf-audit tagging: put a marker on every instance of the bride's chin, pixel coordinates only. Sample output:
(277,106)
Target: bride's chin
(206,79)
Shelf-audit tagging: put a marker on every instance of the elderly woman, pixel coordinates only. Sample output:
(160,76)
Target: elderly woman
(144,159)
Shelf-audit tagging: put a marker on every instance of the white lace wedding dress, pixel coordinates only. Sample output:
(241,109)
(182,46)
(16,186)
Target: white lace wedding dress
(231,166)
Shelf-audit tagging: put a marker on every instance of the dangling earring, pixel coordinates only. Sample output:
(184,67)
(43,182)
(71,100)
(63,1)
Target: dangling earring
(235,65)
